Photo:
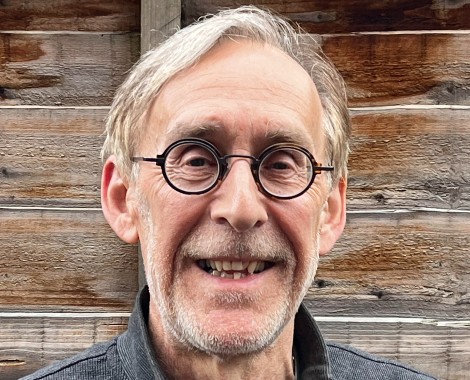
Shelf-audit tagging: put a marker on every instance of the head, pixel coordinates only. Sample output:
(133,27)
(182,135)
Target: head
(242,80)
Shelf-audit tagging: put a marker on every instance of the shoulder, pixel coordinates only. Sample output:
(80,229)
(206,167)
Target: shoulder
(98,362)
(350,363)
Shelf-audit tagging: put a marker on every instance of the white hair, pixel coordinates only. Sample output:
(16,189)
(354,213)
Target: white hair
(127,118)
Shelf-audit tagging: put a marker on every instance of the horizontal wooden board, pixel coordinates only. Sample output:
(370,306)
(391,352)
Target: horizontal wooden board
(64,69)
(385,264)
(407,158)
(339,16)
(440,351)
(379,69)
(390,69)
(71,260)
(400,264)
(88,15)
(50,157)
(27,344)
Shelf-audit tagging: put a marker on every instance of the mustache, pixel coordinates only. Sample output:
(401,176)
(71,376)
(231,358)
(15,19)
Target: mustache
(213,242)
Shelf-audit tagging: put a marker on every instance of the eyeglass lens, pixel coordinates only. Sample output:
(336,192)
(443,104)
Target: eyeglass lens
(194,168)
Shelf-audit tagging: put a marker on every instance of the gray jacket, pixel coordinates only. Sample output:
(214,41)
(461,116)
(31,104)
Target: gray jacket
(131,356)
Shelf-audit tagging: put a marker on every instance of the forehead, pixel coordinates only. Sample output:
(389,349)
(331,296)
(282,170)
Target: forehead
(240,93)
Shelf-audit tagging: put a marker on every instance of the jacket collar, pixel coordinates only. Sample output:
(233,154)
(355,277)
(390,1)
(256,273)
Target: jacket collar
(140,361)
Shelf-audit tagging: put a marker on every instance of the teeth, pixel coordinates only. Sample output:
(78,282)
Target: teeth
(237,265)
(252,267)
(220,268)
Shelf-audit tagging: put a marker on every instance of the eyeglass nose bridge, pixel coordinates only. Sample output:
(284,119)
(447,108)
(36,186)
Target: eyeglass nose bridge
(225,168)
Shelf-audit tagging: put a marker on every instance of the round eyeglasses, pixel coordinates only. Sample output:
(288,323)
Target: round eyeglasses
(195,166)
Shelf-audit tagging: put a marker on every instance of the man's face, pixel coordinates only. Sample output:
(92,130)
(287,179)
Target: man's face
(242,97)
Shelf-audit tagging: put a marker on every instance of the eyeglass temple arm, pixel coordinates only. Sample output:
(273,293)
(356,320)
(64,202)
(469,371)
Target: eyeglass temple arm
(158,160)
(318,169)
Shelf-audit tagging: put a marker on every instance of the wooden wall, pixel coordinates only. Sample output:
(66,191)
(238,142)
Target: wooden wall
(397,282)
(65,280)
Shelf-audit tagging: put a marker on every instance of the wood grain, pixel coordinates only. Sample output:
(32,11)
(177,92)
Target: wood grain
(379,69)
(27,344)
(64,260)
(65,15)
(64,69)
(399,264)
(50,157)
(438,350)
(402,68)
(338,16)
(159,19)
(408,158)
(385,264)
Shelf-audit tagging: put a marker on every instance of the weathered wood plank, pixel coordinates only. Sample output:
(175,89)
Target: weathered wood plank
(64,69)
(402,68)
(339,16)
(71,260)
(50,157)
(88,15)
(27,344)
(385,264)
(379,69)
(159,19)
(405,158)
(405,264)
(440,351)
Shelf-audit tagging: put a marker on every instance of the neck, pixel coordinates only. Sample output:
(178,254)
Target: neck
(181,362)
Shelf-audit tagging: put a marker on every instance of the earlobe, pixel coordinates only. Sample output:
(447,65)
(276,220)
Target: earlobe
(114,201)
(333,217)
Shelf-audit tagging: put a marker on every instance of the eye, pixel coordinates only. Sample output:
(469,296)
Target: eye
(279,160)
(197,157)
(191,159)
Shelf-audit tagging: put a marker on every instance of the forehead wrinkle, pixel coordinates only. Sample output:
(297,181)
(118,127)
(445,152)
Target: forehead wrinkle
(199,130)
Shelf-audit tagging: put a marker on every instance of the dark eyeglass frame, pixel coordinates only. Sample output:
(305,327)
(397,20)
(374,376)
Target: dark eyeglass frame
(223,165)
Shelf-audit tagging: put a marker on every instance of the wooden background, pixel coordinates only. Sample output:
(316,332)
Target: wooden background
(398,281)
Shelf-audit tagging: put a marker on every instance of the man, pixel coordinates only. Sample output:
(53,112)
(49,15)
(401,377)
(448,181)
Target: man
(225,158)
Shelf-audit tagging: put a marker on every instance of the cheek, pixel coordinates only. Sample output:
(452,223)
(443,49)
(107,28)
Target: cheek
(299,220)
(173,216)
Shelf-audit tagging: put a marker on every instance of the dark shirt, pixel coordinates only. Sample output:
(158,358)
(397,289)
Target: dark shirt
(131,356)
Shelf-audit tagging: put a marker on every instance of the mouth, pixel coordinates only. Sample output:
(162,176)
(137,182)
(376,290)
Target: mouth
(234,270)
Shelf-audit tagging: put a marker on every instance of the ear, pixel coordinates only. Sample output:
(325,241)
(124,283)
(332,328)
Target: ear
(333,217)
(114,202)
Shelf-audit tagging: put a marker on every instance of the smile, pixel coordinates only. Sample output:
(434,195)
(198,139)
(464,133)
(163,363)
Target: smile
(233,269)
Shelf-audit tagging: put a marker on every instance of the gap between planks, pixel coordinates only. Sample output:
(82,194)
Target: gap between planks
(365,211)
(365,108)
(396,32)
(66,32)
(392,32)
(333,319)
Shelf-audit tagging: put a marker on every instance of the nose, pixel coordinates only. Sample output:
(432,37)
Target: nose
(238,201)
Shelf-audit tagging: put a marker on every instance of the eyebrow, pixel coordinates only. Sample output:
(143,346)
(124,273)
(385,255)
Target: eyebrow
(207,129)
(199,130)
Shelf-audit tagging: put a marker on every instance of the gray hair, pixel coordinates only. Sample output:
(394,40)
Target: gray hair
(127,117)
